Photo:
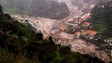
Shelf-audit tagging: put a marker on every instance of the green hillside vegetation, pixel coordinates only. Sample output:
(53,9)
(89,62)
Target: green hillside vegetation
(102,19)
(20,45)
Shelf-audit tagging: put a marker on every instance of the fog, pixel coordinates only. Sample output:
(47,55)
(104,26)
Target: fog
(55,9)
(42,8)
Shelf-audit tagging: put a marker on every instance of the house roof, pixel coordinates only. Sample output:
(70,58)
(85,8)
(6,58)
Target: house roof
(90,32)
(84,33)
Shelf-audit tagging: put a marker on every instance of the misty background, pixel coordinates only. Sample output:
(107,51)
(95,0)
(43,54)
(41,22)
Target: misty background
(42,8)
(54,9)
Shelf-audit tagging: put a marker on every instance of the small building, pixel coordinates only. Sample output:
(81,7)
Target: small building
(88,34)
(92,34)
(83,33)
(86,24)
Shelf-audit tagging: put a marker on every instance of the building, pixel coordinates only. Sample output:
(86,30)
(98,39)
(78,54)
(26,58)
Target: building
(88,34)
(86,24)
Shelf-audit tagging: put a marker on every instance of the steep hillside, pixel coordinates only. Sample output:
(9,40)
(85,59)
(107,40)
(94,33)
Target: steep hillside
(75,31)
(20,45)
(102,18)
(62,31)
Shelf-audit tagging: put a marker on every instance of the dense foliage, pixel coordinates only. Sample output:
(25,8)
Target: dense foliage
(102,19)
(42,8)
(20,45)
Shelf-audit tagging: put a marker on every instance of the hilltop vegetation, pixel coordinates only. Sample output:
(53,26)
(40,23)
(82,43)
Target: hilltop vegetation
(42,8)
(102,18)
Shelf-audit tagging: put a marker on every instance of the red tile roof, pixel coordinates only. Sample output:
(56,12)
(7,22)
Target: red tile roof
(86,23)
